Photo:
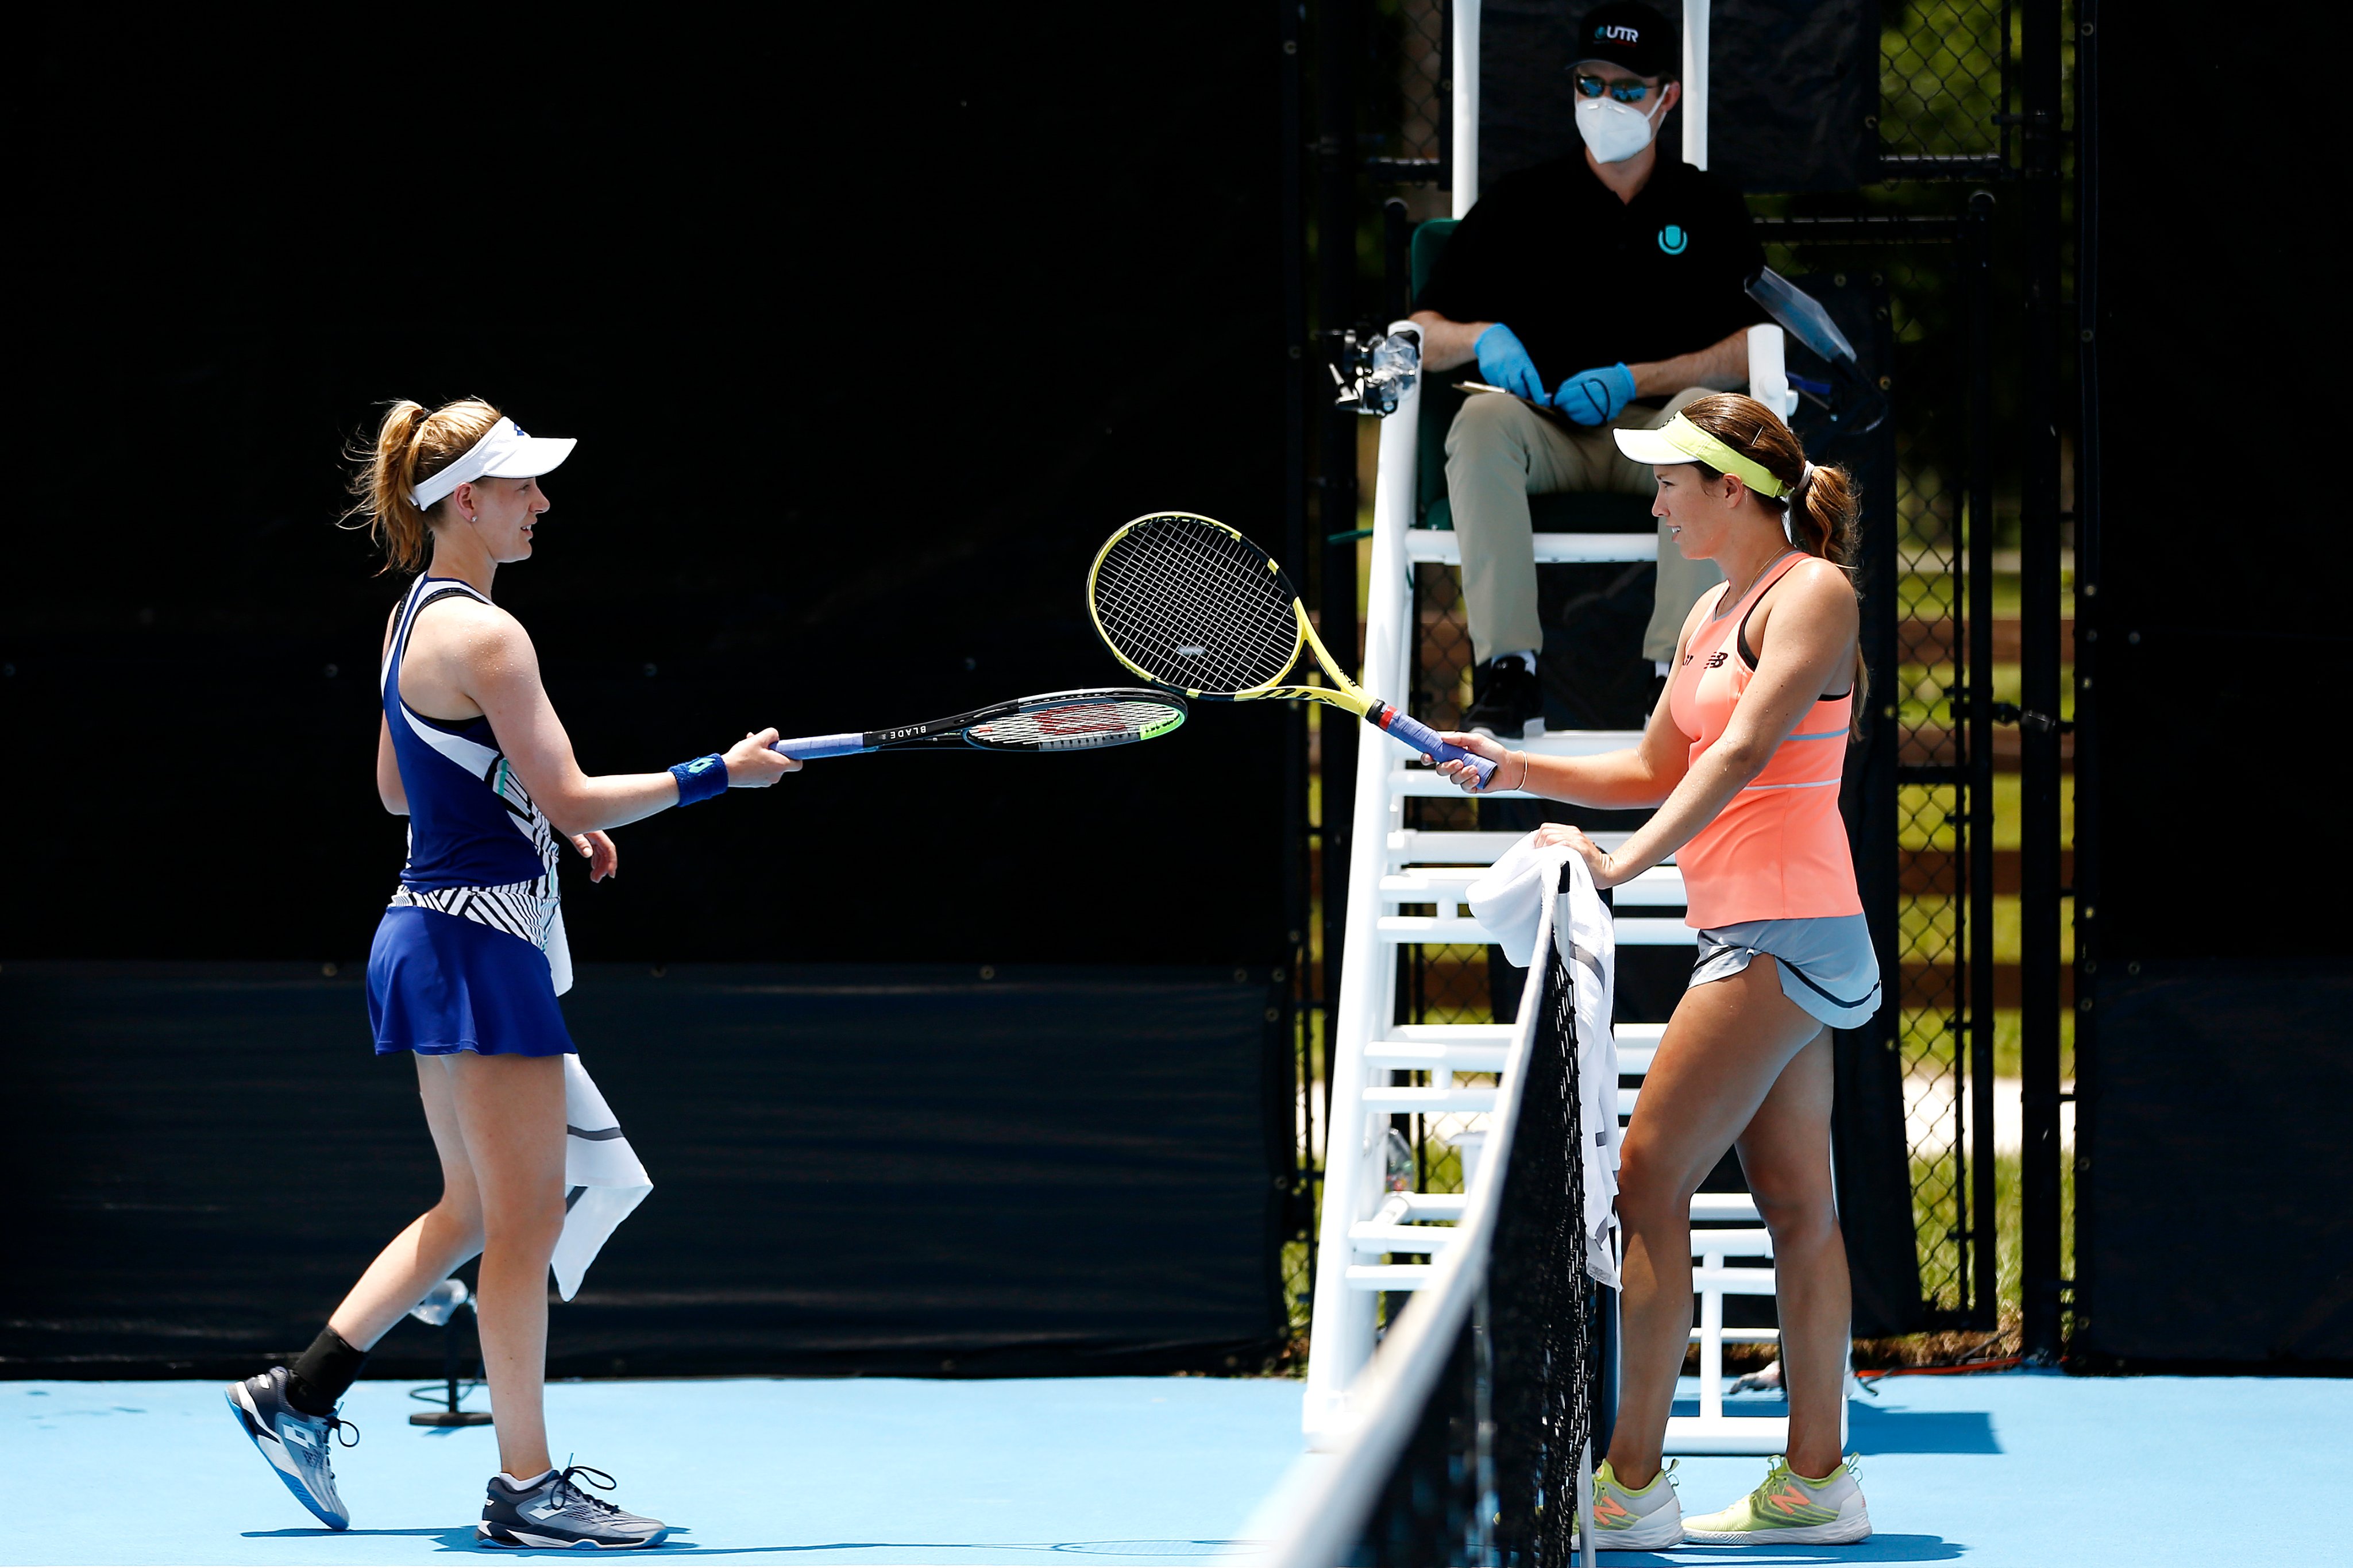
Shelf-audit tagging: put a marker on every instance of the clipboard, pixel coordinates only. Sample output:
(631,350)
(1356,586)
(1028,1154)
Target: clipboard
(1547,409)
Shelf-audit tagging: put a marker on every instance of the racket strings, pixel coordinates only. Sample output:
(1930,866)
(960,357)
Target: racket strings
(1194,606)
(1072,721)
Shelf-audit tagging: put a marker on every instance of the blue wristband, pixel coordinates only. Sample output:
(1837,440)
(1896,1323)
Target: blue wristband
(701,779)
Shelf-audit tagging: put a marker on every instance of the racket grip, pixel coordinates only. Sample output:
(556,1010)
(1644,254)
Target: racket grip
(1413,732)
(804,747)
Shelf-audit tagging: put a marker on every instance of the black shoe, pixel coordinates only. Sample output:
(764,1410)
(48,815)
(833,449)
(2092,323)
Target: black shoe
(1507,699)
(554,1512)
(294,1442)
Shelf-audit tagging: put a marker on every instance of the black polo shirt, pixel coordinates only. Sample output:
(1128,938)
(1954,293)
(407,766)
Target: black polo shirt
(1584,280)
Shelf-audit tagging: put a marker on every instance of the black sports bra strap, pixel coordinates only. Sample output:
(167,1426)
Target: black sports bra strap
(438,593)
(1748,654)
(1740,638)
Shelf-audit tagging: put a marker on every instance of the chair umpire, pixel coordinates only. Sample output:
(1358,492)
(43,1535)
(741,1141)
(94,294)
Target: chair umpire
(1605,289)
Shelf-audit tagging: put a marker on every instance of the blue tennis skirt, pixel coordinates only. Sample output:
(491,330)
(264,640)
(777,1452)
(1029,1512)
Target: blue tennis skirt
(441,983)
(1827,963)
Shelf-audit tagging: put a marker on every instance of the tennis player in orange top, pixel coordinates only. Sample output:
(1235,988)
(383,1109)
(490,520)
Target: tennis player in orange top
(1742,760)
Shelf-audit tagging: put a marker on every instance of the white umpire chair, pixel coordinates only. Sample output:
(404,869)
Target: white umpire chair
(1365,1225)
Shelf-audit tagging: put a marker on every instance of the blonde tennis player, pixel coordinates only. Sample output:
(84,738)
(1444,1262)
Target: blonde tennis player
(469,959)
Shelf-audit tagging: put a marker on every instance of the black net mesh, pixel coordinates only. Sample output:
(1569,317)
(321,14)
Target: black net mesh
(1491,1472)
(1193,604)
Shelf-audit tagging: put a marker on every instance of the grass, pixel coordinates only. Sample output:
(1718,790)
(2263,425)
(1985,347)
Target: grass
(1925,926)
(1928,594)
(1923,1025)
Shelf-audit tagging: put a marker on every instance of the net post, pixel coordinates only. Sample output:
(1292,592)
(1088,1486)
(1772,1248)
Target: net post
(1605,1408)
(1696,60)
(1711,1343)
(1487,1502)
(1463,153)
(1585,1547)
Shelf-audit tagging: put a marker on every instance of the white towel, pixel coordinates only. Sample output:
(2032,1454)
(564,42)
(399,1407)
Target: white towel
(1509,901)
(603,1181)
(1587,937)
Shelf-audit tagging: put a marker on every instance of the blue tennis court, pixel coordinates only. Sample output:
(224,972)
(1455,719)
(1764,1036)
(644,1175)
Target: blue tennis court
(1994,1470)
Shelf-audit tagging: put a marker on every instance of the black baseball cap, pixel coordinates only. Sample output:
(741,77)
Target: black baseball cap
(1630,34)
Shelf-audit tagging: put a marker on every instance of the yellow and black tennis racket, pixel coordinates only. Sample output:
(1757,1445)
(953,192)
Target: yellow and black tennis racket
(1189,604)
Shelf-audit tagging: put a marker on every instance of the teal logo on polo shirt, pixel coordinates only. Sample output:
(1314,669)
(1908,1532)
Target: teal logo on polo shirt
(1674,240)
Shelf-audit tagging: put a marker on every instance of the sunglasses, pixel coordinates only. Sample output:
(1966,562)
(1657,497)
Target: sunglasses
(1625,90)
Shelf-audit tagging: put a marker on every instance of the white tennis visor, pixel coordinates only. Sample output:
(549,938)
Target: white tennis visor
(506,453)
(1681,441)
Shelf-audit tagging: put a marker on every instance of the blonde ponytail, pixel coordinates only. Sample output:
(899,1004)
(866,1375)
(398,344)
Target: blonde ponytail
(411,446)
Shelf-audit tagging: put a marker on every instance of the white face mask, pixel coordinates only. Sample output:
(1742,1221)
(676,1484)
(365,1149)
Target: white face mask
(1615,132)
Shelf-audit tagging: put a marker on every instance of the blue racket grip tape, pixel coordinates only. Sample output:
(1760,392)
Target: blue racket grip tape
(1422,738)
(807,746)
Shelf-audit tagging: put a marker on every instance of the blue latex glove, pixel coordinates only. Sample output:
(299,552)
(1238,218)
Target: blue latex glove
(1596,396)
(1504,363)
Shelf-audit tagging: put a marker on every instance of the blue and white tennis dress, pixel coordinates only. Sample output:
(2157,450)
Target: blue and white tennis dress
(471,954)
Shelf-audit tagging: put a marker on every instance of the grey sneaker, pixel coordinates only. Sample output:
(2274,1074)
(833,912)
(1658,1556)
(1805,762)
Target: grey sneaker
(554,1512)
(296,1444)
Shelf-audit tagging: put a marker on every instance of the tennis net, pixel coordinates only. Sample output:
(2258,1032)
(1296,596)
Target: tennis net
(1473,1434)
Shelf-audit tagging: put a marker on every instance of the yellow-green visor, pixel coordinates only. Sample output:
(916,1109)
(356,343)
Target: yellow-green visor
(1681,441)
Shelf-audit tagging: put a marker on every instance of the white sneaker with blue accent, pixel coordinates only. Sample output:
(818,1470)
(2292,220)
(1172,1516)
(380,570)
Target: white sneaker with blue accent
(296,1444)
(554,1512)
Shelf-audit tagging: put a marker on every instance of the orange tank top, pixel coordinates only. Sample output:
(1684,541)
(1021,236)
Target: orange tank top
(1777,850)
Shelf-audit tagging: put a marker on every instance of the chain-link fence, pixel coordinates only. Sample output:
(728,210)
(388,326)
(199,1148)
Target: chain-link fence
(1943,81)
(1926,340)
(1417,30)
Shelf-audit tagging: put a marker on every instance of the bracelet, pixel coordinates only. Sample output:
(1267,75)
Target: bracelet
(701,779)
(1523,771)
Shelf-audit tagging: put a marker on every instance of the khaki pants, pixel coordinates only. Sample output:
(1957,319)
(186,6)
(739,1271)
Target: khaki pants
(1499,452)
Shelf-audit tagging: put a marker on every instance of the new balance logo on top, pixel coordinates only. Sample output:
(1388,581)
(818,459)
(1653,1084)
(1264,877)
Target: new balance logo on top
(1619,32)
(1715,660)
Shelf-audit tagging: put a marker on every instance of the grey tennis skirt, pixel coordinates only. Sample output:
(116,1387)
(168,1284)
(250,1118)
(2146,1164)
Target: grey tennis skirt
(1827,963)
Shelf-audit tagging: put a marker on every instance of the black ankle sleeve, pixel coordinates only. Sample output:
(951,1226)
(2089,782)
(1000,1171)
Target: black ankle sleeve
(322,1373)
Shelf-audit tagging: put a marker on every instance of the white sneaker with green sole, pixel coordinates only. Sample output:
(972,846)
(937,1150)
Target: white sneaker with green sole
(1790,1510)
(1626,1520)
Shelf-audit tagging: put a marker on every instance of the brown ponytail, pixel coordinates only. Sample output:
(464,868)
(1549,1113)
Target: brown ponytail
(411,446)
(1823,509)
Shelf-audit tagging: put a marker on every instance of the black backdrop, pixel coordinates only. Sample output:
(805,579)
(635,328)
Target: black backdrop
(878,1169)
(2216,965)
(870,330)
